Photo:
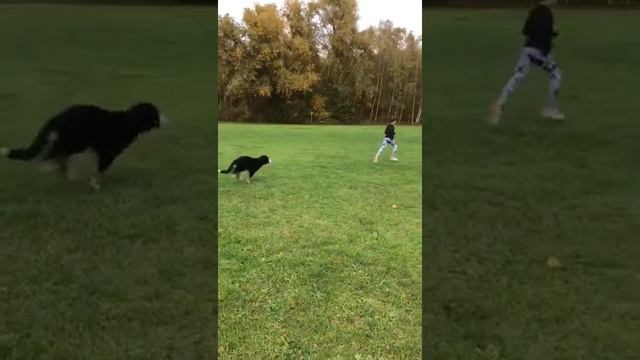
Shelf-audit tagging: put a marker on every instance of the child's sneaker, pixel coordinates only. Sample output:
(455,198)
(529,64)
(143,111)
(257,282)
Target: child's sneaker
(552,113)
(375,159)
(394,159)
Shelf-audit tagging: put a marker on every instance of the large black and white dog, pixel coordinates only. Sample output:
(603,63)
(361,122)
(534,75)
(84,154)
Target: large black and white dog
(246,164)
(79,128)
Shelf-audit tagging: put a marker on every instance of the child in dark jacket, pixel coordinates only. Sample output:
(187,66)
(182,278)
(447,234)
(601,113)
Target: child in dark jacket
(539,33)
(389,139)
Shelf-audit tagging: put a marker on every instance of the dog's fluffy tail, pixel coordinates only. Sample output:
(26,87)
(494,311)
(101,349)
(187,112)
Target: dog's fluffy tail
(41,144)
(229,169)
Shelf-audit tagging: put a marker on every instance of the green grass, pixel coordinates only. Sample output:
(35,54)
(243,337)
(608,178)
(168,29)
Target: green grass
(127,273)
(500,201)
(314,261)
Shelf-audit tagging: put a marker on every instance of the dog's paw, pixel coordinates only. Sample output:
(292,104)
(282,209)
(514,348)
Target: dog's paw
(95,184)
(4,151)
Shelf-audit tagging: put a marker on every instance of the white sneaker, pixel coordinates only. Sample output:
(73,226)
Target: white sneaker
(375,160)
(394,159)
(552,113)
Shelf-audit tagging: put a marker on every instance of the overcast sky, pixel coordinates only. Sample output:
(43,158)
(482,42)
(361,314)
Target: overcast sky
(403,13)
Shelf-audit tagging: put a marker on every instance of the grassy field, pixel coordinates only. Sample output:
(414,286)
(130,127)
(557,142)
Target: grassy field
(499,202)
(127,273)
(314,260)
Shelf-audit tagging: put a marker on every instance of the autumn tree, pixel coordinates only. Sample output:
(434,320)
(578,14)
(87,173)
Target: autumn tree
(308,62)
(345,78)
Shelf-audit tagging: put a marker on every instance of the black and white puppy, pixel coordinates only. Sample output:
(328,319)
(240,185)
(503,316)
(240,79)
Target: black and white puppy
(87,127)
(246,163)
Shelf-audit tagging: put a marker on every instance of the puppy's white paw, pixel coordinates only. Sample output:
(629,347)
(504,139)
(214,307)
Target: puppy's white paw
(95,184)
(4,151)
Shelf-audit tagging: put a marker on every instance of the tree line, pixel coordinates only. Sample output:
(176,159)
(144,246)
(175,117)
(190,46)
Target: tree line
(308,63)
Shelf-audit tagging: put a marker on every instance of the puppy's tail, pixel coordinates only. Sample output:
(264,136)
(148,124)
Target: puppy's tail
(229,169)
(42,144)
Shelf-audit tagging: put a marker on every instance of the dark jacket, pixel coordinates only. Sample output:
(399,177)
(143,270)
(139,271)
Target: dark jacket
(390,131)
(538,29)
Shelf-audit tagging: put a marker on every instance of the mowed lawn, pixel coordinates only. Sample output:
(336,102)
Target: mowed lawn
(314,260)
(127,273)
(499,202)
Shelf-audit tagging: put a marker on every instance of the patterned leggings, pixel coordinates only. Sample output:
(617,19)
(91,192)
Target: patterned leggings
(384,145)
(530,56)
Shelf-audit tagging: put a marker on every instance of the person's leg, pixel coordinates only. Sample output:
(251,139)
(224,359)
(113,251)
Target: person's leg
(521,70)
(380,150)
(555,78)
(394,156)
